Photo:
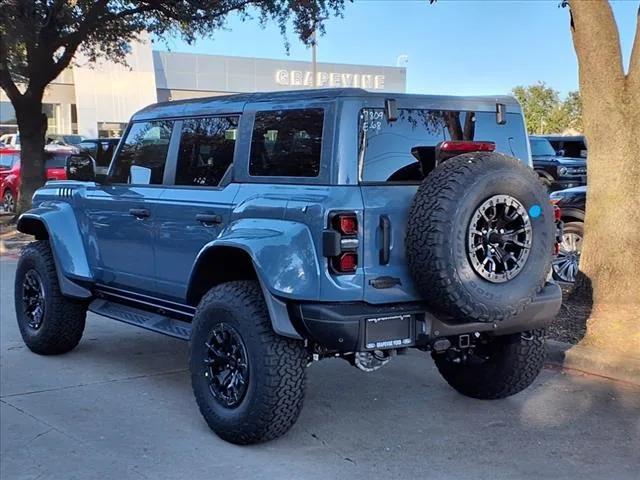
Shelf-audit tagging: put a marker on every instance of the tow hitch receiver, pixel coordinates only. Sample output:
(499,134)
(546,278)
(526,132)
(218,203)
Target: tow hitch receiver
(464,341)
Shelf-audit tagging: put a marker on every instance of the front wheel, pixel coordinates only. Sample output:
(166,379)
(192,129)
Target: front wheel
(248,382)
(49,322)
(497,368)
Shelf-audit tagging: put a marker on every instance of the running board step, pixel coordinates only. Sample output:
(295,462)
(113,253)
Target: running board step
(141,318)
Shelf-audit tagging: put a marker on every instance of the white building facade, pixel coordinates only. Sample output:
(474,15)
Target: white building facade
(98,100)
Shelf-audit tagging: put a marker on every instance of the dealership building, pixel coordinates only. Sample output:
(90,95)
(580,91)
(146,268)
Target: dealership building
(98,100)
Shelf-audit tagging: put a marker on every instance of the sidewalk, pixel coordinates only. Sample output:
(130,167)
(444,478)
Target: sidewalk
(590,360)
(11,241)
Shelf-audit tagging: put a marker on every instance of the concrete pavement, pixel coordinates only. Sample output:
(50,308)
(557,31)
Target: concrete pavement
(120,406)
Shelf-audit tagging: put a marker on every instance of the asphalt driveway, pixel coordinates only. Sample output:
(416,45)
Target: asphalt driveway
(120,406)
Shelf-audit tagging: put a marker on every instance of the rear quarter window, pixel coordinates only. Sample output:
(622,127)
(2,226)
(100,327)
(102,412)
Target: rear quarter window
(404,150)
(287,143)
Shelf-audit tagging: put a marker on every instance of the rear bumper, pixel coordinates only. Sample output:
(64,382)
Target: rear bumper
(347,327)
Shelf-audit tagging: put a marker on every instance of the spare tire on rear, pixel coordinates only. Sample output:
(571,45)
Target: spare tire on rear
(480,237)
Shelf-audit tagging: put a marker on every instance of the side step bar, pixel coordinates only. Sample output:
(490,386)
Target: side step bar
(142,318)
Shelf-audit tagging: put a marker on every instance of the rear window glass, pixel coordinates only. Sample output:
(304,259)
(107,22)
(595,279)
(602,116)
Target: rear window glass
(287,143)
(101,151)
(56,161)
(7,160)
(405,150)
(570,148)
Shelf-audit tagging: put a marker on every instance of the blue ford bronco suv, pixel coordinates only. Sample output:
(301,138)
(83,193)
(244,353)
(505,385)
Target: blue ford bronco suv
(271,230)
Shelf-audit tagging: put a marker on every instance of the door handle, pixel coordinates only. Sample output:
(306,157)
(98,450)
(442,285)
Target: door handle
(140,213)
(385,251)
(209,219)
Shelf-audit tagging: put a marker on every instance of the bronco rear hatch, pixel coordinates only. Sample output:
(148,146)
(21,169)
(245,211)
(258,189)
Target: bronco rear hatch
(394,157)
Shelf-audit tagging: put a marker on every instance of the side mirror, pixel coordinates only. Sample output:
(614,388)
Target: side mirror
(81,167)
(140,175)
(560,152)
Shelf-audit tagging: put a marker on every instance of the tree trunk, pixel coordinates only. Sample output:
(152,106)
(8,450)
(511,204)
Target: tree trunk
(32,126)
(610,262)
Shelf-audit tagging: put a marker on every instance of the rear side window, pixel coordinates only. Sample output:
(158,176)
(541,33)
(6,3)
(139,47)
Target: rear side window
(405,150)
(206,150)
(145,146)
(287,143)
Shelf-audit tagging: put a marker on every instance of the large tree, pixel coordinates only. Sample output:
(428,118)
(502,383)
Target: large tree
(610,262)
(40,38)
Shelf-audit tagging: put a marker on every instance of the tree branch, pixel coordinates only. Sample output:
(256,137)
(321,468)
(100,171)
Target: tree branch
(9,86)
(595,37)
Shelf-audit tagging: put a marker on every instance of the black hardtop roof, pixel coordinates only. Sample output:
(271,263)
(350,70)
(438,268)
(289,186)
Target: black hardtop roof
(235,103)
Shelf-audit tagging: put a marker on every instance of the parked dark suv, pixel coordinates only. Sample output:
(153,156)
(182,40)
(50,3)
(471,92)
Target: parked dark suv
(271,230)
(556,171)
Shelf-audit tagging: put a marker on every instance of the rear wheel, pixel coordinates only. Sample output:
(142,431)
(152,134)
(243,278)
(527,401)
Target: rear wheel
(498,368)
(49,322)
(567,261)
(248,382)
(8,202)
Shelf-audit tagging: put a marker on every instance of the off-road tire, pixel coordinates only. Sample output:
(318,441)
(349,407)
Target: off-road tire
(277,365)
(436,240)
(514,363)
(64,318)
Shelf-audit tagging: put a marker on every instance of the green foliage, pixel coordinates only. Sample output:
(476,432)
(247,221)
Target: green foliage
(545,112)
(39,38)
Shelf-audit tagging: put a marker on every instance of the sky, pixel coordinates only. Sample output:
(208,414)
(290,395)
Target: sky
(454,47)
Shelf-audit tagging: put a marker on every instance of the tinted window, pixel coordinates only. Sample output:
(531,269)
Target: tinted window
(405,150)
(287,143)
(55,161)
(146,145)
(7,160)
(574,148)
(541,147)
(206,150)
(89,147)
(101,151)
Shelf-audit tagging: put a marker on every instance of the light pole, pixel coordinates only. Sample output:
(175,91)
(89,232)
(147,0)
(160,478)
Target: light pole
(314,42)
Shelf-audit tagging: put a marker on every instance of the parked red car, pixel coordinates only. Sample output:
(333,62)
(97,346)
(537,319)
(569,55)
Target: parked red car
(10,174)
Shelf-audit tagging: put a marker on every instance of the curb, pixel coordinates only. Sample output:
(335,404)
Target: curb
(591,360)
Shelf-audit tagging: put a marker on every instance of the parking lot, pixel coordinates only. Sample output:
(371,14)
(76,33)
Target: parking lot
(120,406)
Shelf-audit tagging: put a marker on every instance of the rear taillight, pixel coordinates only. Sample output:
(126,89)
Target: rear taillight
(340,242)
(347,262)
(463,146)
(347,224)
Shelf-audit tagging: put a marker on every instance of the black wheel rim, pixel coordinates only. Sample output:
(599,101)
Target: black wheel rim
(566,263)
(33,299)
(499,238)
(227,366)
